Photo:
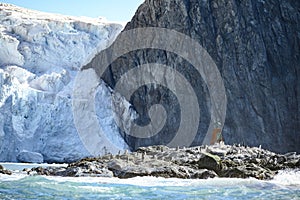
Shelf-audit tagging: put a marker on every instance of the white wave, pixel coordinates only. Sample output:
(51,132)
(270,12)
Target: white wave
(13,177)
(287,178)
(21,166)
(284,178)
(157,181)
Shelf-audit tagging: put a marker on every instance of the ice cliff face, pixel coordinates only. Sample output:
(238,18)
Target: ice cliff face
(40,55)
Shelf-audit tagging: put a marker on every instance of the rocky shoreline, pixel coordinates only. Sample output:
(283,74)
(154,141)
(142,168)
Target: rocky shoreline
(200,162)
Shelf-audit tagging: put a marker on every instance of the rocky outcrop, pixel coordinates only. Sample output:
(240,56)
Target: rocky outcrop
(196,162)
(256,47)
(4,171)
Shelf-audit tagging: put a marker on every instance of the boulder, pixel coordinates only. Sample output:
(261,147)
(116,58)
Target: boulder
(4,171)
(210,162)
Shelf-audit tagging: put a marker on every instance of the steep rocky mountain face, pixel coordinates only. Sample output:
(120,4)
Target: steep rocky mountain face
(256,47)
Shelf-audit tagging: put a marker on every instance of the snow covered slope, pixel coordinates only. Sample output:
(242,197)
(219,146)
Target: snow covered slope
(40,54)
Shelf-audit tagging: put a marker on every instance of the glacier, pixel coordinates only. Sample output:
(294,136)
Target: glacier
(40,56)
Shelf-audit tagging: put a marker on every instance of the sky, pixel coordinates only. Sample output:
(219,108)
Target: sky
(112,10)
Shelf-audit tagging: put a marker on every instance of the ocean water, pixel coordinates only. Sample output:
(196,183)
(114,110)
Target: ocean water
(286,185)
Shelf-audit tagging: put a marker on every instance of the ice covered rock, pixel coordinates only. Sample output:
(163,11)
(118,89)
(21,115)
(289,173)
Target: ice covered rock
(30,157)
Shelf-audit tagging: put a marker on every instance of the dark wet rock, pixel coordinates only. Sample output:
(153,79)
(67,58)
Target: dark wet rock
(4,171)
(209,161)
(204,174)
(83,168)
(193,162)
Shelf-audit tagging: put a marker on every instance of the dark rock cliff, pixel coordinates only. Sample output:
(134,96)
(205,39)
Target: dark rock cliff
(256,47)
